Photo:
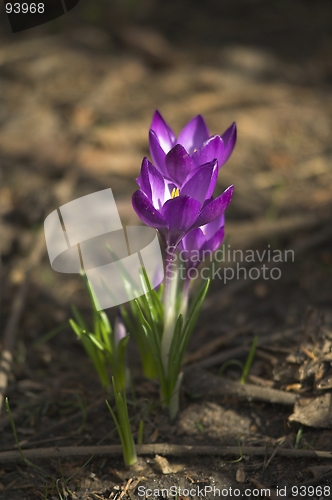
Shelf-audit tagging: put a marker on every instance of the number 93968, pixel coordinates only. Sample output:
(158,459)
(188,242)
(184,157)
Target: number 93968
(311,491)
(25,8)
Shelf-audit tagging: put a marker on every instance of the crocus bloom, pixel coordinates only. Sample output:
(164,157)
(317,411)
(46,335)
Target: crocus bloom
(174,209)
(194,144)
(120,331)
(201,241)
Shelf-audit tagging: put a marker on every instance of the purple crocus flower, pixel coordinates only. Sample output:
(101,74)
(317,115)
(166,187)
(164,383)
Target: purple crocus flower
(175,208)
(120,331)
(194,146)
(201,241)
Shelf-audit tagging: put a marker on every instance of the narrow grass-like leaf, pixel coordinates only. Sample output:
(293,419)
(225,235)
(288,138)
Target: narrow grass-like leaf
(249,360)
(193,316)
(153,299)
(78,318)
(24,459)
(106,330)
(140,432)
(96,342)
(52,333)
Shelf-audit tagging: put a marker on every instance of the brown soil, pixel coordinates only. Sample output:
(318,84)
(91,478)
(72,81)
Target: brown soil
(76,100)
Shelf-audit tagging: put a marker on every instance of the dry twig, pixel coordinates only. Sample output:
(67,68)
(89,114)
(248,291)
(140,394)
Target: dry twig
(156,449)
(209,347)
(235,352)
(201,382)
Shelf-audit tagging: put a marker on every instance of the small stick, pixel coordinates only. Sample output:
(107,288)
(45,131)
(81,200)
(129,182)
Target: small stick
(234,352)
(156,449)
(201,382)
(209,347)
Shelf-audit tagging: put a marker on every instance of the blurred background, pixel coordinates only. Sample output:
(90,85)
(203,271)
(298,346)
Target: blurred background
(76,100)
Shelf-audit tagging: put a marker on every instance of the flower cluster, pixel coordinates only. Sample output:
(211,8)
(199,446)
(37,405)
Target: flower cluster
(175,196)
(176,193)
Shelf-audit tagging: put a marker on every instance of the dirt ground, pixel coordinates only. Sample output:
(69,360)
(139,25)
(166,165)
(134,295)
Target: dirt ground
(76,100)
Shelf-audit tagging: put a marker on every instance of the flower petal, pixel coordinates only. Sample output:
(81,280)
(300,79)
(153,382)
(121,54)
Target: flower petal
(193,134)
(201,182)
(180,213)
(215,208)
(211,149)
(212,227)
(146,211)
(120,331)
(157,186)
(164,133)
(215,241)
(178,164)
(190,246)
(152,183)
(143,179)
(194,240)
(229,140)
(157,153)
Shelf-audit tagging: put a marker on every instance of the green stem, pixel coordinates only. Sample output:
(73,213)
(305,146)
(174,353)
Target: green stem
(174,403)
(122,423)
(169,300)
(185,299)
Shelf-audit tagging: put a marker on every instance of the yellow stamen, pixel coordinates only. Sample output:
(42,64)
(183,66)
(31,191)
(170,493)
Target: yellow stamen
(175,193)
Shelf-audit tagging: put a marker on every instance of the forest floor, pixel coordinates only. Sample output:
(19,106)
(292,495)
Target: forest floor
(75,107)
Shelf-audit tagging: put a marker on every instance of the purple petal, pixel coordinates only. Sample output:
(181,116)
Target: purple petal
(157,185)
(164,133)
(152,183)
(146,211)
(229,140)
(169,187)
(211,149)
(119,329)
(157,153)
(212,227)
(214,243)
(194,240)
(143,179)
(193,134)
(180,213)
(215,208)
(190,246)
(200,184)
(179,164)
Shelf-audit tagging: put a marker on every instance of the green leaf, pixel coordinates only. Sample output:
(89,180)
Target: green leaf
(106,330)
(174,357)
(193,316)
(96,342)
(249,360)
(149,332)
(122,424)
(78,318)
(92,295)
(153,299)
(97,357)
(77,329)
